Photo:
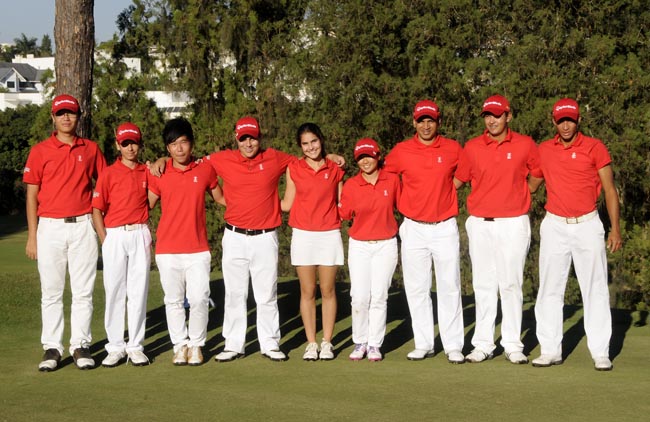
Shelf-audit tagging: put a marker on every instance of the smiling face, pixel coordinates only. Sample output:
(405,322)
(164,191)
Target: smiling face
(567,129)
(180,150)
(497,126)
(311,146)
(426,128)
(248,146)
(368,165)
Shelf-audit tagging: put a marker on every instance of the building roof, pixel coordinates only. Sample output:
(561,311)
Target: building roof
(25,70)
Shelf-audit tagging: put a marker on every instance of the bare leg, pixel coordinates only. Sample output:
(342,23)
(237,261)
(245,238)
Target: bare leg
(307,277)
(327,279)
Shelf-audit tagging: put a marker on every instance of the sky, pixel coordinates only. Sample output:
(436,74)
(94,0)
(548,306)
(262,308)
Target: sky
(35,18)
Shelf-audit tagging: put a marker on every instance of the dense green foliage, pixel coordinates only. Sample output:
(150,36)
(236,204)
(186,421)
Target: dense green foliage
(357,68)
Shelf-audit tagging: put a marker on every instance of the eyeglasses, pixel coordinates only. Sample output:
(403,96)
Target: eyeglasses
(125,143)
(65,113)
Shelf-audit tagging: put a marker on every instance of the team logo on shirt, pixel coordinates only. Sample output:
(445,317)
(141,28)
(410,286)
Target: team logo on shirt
(385,192)
(509,156)
(144,185)
(26,170)
(95,194)
(80,160)
(196,179)
(261,166)
(327,176)
(573,155)
(439,160)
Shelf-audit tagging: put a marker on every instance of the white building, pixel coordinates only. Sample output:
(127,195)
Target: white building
(20,84)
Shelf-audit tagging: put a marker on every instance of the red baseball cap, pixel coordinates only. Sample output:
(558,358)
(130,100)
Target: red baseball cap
(426,108)
(566,108)
(247,126)
(366,146)
(65,102)
(128,132)
(496,105)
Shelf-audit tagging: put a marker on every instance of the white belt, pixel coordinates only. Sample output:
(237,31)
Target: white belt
(573,220)
(130,227)
(75,219)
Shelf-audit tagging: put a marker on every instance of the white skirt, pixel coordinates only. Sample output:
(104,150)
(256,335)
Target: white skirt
(316,248)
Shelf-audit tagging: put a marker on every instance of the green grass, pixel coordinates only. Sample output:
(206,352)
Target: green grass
(255,388)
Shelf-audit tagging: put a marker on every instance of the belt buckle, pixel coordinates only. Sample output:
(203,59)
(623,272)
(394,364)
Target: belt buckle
(249,232)
(572,220)
(129,227)
(70,219)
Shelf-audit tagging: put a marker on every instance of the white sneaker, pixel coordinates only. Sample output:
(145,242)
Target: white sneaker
(455,357)
(113,359)
(227,356)
(180,357)
(138,358)
(544,361)
(419,354)
(326,351)
(517,358)
(477,356)
(603,364)
(275,355)
(311,352)
(374,354)
(194,356)
(359,352)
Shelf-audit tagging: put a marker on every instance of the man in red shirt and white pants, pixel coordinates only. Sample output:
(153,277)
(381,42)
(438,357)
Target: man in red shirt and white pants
(250,177)
(426,164)
(498,164)
(59,174)
(575,168)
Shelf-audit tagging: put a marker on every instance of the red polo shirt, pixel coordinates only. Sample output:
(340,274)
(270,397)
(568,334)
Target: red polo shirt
(498,173)
(64,174)
(571,174)
(315,205)
(427,171)
(182,226)
(250,186)
(371,206)
(121,194)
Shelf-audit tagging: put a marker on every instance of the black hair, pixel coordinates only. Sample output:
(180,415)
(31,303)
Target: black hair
(311,128)
(176,128)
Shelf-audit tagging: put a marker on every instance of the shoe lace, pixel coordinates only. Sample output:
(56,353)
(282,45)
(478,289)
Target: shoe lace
(360,348)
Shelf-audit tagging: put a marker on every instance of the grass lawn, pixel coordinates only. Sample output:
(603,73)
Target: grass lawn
(255,388)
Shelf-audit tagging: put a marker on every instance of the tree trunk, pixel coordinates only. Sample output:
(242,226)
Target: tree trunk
(74,37)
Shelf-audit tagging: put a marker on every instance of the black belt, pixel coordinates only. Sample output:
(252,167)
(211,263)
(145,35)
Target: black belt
(488,218)
(248,232)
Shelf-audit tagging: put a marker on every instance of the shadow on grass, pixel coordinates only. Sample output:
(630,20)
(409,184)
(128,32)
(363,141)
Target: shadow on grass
(157,339)
(10,224)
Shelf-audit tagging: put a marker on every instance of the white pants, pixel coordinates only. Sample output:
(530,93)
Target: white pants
(372,265)
(498,251)
(584,243)
(181,276)
(255,257)
(422,243)
(127,258)
(74,245)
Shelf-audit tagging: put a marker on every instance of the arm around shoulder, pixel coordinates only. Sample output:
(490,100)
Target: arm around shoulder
(289,193)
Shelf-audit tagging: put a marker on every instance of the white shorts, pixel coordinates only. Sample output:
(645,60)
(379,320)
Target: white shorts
(316,248)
